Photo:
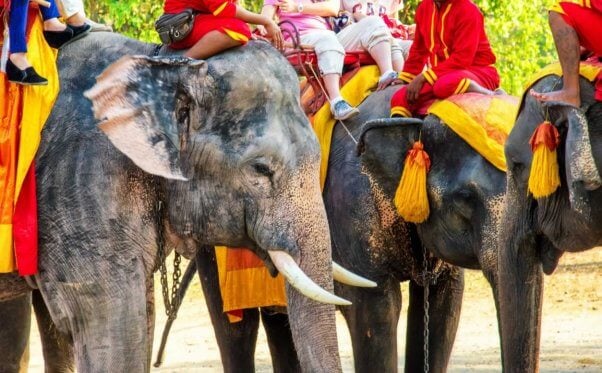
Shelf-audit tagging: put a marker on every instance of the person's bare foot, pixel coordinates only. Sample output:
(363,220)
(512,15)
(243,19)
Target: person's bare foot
(568,97)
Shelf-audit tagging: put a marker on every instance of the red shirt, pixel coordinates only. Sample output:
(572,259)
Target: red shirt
(447,39)
(219,8)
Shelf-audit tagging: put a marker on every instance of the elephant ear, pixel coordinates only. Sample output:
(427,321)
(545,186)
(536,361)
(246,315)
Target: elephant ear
(581,170)
(138,101)
(383,146)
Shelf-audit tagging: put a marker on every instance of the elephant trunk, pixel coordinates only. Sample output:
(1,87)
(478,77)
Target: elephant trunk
(520,284)
(582,172)
(306,240)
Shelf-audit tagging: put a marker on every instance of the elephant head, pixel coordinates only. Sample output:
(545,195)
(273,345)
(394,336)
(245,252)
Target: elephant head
(464,190)
(535,232)
(240,168)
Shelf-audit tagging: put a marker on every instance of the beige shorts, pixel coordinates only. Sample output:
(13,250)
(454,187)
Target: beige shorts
(70,7)
(328,49)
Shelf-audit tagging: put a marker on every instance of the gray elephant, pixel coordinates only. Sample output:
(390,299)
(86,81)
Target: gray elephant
(465,194)
(193,153)
(537,231)
(370,239)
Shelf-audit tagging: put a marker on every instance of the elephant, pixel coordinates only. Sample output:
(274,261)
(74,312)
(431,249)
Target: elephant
(535,232)
(187,154)
(465,194)
(370,239)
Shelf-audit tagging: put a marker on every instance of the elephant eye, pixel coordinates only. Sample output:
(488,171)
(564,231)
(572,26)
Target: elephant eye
(263,169)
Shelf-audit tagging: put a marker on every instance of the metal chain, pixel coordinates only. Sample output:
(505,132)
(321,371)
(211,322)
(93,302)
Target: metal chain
(426,279)
(171,302)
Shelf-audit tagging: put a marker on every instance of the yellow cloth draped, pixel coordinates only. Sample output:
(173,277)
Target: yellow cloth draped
(354,92)
(23,112)
(484,122)
(244,281)
(587,70)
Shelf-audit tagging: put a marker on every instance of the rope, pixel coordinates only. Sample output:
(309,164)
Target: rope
(315,75)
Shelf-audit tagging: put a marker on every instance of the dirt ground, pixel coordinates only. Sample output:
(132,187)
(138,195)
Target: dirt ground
(571,338)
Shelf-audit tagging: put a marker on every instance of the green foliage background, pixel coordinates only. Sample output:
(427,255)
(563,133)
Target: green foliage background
(518,30)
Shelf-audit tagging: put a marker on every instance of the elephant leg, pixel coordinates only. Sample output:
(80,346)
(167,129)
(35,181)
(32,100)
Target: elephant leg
(280,341)
(236,341)
(104,310)
(445,302)
(15,323)
(56,346)
(372,320)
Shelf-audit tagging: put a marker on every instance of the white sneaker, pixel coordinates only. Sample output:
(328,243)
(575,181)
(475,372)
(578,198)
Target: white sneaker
(98,26)
(386,79)
(342,110)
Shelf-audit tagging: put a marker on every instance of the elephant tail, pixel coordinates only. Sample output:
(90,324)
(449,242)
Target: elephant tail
(184,284)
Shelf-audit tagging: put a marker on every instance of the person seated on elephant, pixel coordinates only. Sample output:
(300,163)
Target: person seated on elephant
(308,19)
(574,24)
(74,15)
(219,25)
(450,40)
(372,31)
(18,67)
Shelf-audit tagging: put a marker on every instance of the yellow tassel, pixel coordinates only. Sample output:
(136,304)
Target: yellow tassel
(411,198)
(544,178)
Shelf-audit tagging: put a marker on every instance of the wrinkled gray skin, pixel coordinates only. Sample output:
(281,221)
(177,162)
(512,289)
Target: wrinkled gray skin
(371,240)
(465,195)
(233,128)
(536,232)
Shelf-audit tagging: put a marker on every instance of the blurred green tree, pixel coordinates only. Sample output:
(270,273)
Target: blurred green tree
(518,30)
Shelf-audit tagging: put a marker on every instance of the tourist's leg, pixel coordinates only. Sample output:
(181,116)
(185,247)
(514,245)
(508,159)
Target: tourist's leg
(567,46)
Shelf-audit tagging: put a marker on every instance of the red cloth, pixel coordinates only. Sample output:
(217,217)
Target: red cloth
(25,226)
(205,23)
(202,6)
(451,83)
(452,43)
(447,39)
(214,15)
(587,23)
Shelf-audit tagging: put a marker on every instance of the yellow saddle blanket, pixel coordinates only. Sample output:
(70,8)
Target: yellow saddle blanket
(484,122)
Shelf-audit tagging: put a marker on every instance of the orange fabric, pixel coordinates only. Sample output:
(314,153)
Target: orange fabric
(479,107)
(245,282)
(23,112)
(419,156)
(483,121)
(546,134)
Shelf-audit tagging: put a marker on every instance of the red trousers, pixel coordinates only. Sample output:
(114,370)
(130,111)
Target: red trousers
(455,82)
(205,23)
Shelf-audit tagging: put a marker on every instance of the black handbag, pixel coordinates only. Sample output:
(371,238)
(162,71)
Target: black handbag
(175,27)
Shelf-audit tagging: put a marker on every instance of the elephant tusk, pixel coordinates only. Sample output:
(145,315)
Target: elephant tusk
(300,281)
(347,277)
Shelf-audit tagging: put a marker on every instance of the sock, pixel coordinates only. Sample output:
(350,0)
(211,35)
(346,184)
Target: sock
(335,100)
(386,73)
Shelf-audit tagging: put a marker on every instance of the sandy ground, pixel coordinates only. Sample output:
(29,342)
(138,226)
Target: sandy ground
(571,339)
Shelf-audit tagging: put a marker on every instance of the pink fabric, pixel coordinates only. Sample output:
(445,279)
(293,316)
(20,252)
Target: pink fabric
(303,22)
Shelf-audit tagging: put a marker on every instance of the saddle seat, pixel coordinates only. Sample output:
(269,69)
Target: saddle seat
(305,62)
